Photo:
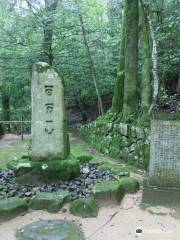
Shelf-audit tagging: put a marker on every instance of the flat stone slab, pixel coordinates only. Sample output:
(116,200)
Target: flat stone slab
(52,202)
(51,230)
(12,207)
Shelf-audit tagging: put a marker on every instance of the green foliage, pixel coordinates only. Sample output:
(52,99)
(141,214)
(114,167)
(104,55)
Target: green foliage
(22,32)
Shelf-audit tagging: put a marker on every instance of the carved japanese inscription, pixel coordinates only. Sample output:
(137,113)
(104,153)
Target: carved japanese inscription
(164,167)
(49,131)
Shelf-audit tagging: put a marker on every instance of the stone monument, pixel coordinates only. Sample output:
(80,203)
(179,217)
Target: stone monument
(164,169)
(163,184)
(50,157)
(49,123)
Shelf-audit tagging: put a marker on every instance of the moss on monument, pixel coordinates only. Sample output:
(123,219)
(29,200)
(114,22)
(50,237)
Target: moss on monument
(84,207)
(12,207)
(49,170)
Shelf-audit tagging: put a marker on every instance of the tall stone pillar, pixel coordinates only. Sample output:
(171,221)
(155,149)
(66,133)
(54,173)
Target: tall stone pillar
(49,123)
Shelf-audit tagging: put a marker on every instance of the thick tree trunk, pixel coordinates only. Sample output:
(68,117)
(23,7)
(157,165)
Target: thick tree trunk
(146,89)
(90,60)
(130,104)
(117,102)
(48,25)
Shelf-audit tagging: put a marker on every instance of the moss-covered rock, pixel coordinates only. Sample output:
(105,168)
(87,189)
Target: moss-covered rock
(85,158)
(130,184)
(52,202)
(48,171)
(84,207)
(114,189)
(12,207)
(51,230)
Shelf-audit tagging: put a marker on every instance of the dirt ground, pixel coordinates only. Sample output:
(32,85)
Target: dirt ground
(8,139)
(113,222)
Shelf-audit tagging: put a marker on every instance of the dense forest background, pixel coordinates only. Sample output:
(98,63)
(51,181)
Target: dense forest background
(81,39)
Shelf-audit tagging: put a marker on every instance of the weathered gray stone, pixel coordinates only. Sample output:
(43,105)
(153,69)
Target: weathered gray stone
(51,230)
(164,170)
(49,124)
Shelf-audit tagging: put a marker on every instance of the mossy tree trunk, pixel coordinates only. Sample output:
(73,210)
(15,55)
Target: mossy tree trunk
(130,104)
(48,26)
(90,60)
(117,102)
(145,43)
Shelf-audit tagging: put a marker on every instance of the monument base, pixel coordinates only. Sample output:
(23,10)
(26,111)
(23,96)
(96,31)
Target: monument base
(162,196)
(45,171)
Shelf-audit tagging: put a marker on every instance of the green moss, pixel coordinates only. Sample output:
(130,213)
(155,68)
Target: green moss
(114,188)
(114,168)
(85,158)
(84,207)
(117,188)
(25,155)
(48,170)
(52,202)
(130,184)
(12,207)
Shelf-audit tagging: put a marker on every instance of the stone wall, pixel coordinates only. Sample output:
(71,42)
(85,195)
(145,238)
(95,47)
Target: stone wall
(122,141)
